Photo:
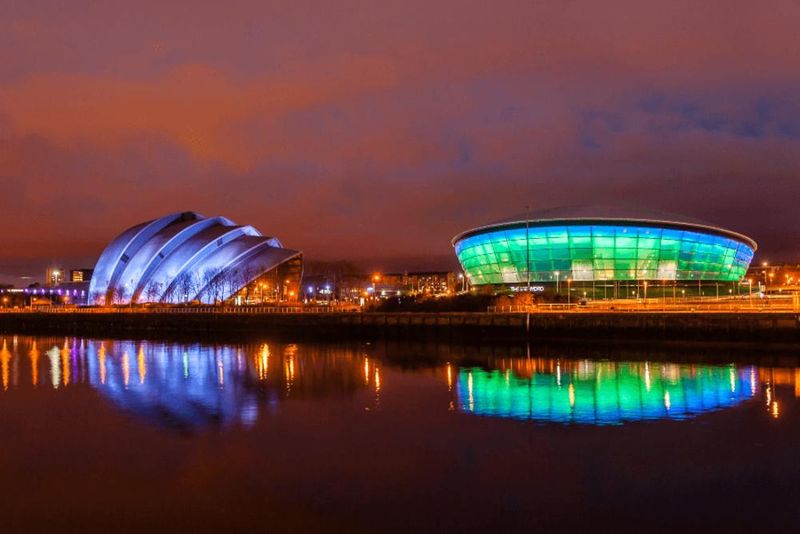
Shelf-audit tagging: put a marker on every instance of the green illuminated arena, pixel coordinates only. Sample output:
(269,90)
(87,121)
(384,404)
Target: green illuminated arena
(601,244)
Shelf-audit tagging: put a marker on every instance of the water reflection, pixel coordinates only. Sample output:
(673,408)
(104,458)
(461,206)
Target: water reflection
(584,391)
(192,386)
(185,387)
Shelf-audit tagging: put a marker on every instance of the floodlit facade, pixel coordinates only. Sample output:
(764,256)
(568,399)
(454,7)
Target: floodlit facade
(186,257)
(602,244)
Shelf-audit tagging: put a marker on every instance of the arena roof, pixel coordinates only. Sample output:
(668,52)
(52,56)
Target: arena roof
(607,214)
(148,262)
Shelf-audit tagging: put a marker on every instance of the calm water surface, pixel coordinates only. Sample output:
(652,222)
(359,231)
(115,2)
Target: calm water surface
(127,435)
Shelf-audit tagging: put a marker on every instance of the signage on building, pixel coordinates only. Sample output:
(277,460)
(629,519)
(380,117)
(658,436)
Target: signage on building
(524,289)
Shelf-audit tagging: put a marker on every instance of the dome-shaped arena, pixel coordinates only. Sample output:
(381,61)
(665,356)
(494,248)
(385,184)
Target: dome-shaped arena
(606,243)
(186,257)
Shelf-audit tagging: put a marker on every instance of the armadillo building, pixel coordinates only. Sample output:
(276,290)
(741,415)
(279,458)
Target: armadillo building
(602,244)
(186,257)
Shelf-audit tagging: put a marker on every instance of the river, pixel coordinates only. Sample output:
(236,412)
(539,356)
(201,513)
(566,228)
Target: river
(311,436)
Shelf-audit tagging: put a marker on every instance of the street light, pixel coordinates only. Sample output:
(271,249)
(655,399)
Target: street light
(527,248)
(569,290)
(557,286)
(375,279)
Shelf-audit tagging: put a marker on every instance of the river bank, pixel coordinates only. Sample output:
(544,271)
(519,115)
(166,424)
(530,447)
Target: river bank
(782,327)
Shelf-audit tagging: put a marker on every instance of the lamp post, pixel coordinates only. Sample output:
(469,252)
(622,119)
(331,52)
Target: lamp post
(557,286)
(569,291)
(527,248)
(375,279)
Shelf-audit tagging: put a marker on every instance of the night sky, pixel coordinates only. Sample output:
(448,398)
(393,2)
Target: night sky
(376,130)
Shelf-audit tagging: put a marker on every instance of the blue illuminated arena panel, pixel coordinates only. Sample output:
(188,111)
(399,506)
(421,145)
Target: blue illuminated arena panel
(600,252)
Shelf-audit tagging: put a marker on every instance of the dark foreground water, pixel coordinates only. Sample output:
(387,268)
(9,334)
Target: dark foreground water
(273,436)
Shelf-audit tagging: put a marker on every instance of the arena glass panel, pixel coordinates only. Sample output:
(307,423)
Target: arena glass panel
(601,252)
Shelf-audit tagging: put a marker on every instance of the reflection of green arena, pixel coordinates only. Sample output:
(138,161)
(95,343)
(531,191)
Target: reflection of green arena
(592,246)
(605,393)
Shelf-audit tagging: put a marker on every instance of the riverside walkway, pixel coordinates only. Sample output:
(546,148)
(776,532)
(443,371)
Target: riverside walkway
(754,325)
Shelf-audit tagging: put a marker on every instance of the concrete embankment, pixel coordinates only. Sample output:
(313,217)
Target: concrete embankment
(723,327)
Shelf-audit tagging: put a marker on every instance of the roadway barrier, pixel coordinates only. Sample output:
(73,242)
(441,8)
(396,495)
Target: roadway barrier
(786,303)
(236,310)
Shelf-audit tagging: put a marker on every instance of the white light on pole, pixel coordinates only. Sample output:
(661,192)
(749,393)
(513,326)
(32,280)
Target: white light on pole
(527,248)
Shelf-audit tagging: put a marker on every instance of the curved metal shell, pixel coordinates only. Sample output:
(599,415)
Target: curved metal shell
(149,262)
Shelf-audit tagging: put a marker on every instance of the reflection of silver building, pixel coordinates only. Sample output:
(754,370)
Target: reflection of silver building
(187,387)
(185,257)
(183,387)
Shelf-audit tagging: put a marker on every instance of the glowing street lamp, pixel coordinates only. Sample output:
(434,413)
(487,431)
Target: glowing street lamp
(375,279)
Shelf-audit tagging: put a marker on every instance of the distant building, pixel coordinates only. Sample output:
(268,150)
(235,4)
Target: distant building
(433,283)
(71,293)
(775,275)
(345,288)
(80,275)
(53,276)
(355,288)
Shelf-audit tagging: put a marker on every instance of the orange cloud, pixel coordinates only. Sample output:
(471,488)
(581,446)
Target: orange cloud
(194,105)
